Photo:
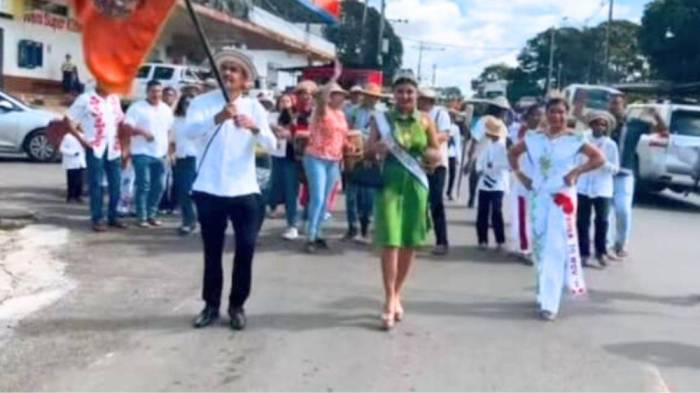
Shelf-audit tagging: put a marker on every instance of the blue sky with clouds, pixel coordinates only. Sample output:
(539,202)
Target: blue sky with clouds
(476,33)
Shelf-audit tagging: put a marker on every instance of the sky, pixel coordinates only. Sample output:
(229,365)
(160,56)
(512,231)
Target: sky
(471,34)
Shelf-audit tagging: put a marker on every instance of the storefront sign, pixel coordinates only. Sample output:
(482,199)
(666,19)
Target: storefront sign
(55,22)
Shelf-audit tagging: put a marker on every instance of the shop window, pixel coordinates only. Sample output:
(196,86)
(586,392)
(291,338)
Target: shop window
(30,54)
(50,7)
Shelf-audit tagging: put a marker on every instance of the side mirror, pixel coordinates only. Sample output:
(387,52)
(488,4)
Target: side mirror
(6,106)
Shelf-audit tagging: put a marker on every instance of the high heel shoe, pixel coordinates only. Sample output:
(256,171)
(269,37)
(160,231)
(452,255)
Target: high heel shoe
(398,315)
(388,320)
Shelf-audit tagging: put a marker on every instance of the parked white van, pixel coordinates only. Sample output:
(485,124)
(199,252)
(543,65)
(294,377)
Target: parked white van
(173,75)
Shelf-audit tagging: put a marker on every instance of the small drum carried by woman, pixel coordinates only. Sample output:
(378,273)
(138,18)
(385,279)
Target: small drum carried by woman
(353,150)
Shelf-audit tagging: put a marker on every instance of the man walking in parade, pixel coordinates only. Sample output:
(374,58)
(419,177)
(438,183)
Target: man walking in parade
(226,187)
(443,122)
(151,120)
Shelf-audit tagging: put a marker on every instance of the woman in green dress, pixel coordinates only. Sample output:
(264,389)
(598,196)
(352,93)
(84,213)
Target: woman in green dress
(405,141)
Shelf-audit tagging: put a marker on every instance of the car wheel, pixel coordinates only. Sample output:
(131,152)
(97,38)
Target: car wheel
(38,147)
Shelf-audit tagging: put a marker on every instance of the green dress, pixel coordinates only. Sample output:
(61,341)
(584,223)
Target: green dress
(401,206)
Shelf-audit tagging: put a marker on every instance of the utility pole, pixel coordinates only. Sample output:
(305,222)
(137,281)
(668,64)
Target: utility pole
(607,42)
(434,74)
(422,46)
(550,73)
(380,38)
(362,33)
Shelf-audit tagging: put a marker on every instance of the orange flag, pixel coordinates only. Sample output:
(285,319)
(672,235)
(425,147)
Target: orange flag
(117,36)
(331,6)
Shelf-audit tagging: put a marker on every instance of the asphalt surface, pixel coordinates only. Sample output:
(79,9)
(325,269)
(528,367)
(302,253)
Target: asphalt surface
(313,320)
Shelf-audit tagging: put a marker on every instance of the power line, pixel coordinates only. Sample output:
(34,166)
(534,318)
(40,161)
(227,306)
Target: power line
(457,46)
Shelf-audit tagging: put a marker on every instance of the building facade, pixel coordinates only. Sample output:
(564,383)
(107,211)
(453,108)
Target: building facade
(36,36)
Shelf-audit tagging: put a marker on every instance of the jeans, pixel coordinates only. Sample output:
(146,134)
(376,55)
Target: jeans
(150,183)
(285,187)
(586,206)
(214,214)
(623,197)
(436,181)
(360,202)
(97,169)
(321,177)
(184,173)
(490,206)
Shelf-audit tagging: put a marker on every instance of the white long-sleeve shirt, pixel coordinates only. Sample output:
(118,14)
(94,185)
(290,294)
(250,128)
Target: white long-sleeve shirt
(72,152)
(227,169)
(599,183)
(493,165)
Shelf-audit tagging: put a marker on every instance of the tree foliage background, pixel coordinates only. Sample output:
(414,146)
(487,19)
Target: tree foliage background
(357,47)
(579,57)
(670,37)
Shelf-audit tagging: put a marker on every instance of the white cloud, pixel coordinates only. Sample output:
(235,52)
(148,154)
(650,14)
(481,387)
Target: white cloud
(477,33)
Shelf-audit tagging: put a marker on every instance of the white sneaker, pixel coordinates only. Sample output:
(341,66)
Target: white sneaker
(290,234)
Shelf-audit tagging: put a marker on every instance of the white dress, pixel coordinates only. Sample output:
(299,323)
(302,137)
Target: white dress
(553,216)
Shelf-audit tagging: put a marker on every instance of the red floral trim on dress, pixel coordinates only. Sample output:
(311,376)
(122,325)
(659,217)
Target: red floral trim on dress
(96,110)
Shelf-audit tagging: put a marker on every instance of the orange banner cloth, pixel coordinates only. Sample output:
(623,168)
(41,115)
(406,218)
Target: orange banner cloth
(331,6)
(117,37)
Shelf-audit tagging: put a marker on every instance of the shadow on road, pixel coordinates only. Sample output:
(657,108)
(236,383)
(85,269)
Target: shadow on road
(659,353)
(679,301)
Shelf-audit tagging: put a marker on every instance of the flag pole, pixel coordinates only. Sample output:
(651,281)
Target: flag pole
(207,48)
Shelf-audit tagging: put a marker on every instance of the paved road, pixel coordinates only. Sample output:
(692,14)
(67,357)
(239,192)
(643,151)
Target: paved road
(313,319)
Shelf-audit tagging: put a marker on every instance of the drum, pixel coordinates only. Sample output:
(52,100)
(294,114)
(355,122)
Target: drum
(353,150)
(301,140)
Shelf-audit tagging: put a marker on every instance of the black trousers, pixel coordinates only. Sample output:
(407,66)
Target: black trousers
(75,183)
(490,206)
(452,175)
(473,183)
(436,181)
(214,213)
(586,206)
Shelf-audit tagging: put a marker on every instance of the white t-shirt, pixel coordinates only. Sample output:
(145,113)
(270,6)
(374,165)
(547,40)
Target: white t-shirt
(99,119)
(493,166)
(156,119)
(599,183)
(184,146)
(228,168)
(443,124)
(72,152)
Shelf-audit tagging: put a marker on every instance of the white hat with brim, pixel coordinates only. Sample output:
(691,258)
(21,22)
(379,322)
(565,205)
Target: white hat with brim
(495,127)
(501,102)
(240,59)
(601,115)
(337,89)
(356,89)
(428,93)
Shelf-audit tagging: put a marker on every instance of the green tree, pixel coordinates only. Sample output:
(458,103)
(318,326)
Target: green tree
(669,37)
(357,44)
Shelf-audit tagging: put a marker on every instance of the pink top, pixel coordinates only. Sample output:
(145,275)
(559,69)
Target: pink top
(327,136)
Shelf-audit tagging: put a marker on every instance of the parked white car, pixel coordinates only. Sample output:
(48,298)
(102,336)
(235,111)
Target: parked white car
(23,129)
(173,75)
(669,160)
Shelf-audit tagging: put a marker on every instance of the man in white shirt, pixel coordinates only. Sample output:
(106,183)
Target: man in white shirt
(94,119)
(443,122)
(151,120)
(595,190)
(226,187)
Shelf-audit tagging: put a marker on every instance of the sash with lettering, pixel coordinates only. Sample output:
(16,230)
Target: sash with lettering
(409,162)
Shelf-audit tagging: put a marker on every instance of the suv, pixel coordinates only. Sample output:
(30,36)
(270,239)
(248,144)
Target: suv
(664,160)
(173,75)
(23,129)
